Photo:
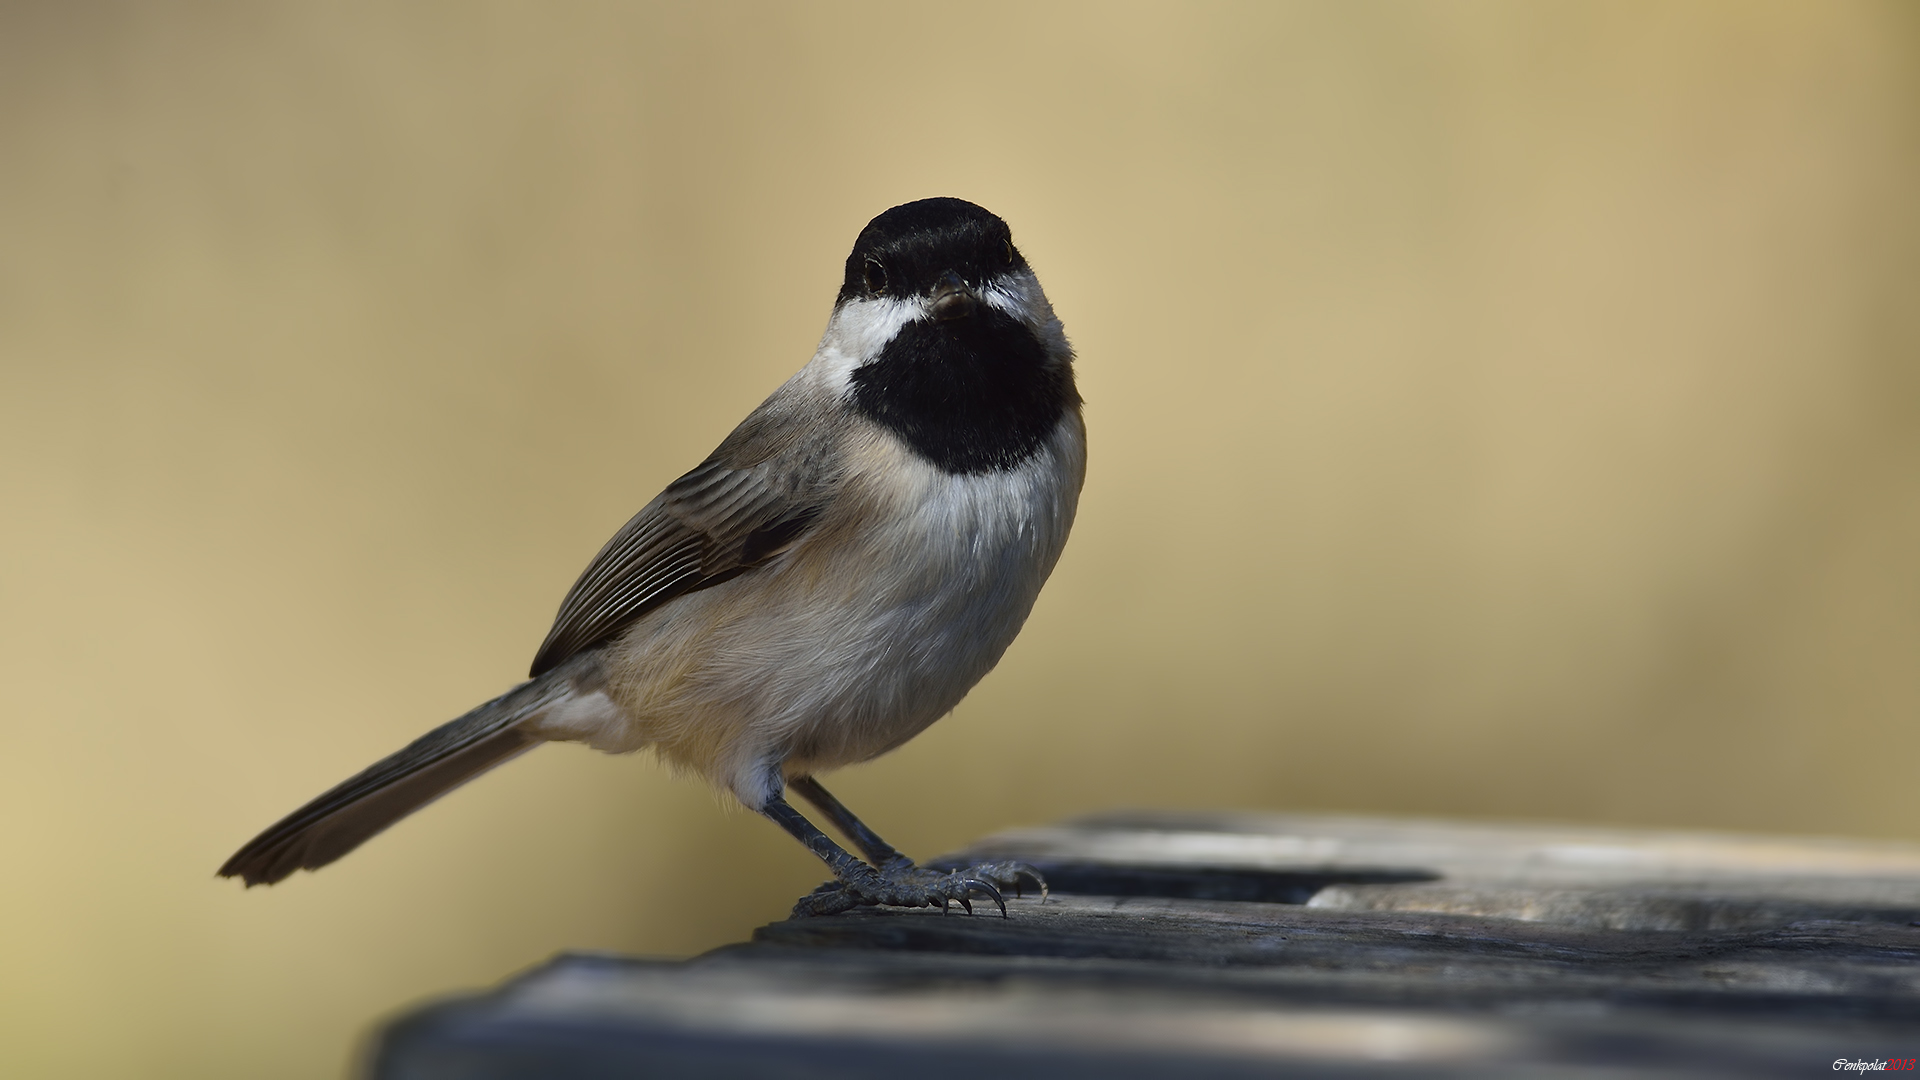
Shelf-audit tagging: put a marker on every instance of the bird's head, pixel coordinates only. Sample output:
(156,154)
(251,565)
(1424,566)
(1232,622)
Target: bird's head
(942,333)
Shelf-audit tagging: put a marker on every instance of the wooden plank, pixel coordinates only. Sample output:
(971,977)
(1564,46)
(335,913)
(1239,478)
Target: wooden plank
(1240,945)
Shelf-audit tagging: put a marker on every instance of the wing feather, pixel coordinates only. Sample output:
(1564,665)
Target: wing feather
(727,516)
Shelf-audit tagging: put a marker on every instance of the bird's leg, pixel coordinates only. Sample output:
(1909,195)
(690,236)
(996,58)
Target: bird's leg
(881,854)
(891,863)
(860,885)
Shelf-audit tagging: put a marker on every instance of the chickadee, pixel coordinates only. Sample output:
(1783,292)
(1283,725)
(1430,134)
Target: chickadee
(830,581)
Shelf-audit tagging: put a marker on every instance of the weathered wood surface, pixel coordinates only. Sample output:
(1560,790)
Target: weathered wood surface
(1243,945)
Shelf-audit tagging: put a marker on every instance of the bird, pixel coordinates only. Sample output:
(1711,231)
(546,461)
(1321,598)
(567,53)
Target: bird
(854,557)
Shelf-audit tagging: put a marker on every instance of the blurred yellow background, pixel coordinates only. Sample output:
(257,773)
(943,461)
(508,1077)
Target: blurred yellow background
(1500,409)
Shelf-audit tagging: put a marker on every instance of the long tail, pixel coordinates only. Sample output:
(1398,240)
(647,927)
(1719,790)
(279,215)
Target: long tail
(354,810)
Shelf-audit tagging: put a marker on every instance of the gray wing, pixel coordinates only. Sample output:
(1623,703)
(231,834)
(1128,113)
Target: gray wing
(750,501)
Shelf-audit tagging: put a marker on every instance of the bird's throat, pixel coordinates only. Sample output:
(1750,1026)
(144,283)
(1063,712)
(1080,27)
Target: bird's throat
(971,395)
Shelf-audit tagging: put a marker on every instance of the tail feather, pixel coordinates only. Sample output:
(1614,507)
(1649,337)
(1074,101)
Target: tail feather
(356,809)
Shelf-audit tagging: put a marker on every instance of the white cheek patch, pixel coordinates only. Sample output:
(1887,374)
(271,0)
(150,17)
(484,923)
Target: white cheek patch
(857,332)
(1019,295)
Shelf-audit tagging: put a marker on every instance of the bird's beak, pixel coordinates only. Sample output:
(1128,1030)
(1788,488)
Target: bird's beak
(952,299)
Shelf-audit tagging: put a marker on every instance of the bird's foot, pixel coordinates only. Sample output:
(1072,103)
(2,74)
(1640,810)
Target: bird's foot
(903,884)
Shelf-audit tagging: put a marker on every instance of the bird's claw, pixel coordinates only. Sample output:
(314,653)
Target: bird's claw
(1010,875)
(913,888)
(1004,876)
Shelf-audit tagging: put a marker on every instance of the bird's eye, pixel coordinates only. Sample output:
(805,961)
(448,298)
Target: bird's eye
(876,277)
(1007,255)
